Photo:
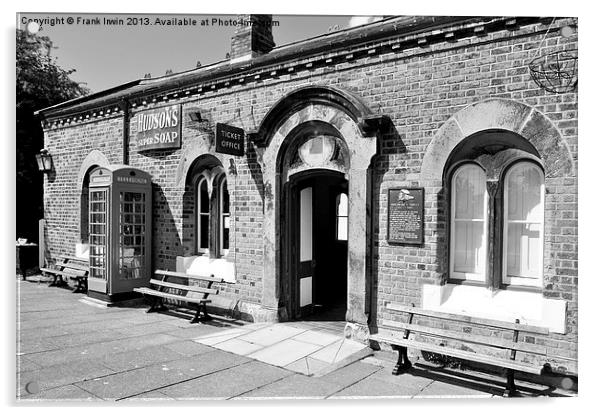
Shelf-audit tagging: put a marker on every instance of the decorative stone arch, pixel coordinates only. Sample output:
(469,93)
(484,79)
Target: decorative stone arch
(354,124)
(94,159)
(191,155)
(499,114)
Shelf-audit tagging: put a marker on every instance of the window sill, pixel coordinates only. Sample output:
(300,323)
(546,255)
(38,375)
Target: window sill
(527,305)
(202,264)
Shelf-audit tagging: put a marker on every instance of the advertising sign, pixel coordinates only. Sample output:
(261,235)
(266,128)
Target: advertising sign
(159,128)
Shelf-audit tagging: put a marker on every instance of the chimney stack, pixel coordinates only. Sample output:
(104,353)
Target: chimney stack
(252,38)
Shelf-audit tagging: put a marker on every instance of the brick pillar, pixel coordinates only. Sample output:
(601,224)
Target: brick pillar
(253,37)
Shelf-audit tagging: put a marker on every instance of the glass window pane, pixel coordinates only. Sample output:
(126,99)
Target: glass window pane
(469,250)
(203,197)
(342,228)
(342,205)
(524,193)
(469,185)
(225,197)
(524,223)
(204,232)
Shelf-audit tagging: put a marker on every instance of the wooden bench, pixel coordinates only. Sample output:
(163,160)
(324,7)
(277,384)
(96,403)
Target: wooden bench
(422,333)
(163,287)
(76,269)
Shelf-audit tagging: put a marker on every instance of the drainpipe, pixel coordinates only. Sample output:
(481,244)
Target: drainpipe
(125,105)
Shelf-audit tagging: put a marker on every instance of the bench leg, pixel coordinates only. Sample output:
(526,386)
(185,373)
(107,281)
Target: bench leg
(510,386)
(403,363)
(157,305)
(197,318)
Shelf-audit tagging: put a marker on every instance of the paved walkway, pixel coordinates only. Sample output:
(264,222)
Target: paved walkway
(68,349)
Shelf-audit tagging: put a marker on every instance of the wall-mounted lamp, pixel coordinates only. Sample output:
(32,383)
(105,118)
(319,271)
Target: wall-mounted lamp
(196,116)
(44,160)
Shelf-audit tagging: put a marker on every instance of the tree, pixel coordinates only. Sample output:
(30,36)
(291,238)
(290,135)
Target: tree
(40,83)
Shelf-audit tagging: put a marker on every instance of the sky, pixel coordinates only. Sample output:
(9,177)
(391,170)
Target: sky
(105,55)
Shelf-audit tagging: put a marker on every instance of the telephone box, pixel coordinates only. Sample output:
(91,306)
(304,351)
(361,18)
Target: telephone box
(120,232)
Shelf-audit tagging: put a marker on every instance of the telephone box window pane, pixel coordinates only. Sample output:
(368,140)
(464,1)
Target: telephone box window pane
(131,235)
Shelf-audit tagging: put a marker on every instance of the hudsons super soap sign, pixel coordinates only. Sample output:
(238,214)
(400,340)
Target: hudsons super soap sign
(159,128)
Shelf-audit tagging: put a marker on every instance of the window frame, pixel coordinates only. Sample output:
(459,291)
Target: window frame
(495,225)
(222,183)
(518,281)
(468,277)
(197,208)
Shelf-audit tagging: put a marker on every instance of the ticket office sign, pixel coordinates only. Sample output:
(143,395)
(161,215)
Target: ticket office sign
(159,128)
(405,221)
(229,140)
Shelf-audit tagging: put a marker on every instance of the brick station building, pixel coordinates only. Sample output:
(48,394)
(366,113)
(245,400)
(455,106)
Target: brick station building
(410,160)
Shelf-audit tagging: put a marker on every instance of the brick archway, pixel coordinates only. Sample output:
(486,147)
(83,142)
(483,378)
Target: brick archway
(499,114)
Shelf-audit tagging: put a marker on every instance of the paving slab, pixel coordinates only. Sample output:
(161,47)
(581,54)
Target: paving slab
(284,353)
(64,394)
(135,382)
(60,375)
(307,366)
(189,348)
(349,374)
(238,346)
(338,351)
(193,331)
(438,389)
(272,334)
(321,338)
(371,388)
(150,396)
(221,336)
(140,357)
(97,350)
(228,383)
(293,387)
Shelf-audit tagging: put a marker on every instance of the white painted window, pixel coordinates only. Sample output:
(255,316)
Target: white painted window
(523,224)
(342,206)
(469,224)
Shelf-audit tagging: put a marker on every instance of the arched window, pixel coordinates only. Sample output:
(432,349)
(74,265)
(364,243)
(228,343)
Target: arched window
(468,254)
(523,224)
(203,208)
(342,207)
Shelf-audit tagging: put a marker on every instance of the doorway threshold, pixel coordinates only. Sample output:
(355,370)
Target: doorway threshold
(311,348)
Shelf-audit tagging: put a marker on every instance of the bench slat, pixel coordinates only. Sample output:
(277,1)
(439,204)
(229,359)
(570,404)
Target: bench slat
(471,338)
(71,265)
(448,351)
(64,271)
(211,278)
(468,319)
(148,291)
(184,287)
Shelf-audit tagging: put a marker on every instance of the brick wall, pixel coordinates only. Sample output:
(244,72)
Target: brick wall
(420,89)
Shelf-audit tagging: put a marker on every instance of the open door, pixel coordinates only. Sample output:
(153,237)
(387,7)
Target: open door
(306,262)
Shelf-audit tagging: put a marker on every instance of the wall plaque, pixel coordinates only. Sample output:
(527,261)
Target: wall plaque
(159,128)
(229,140)
(405,221)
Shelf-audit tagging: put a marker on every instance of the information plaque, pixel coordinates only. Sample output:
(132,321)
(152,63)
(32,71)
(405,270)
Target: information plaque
(405,221)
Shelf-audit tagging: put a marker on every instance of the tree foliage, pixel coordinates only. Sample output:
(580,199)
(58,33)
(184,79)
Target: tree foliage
(41,83)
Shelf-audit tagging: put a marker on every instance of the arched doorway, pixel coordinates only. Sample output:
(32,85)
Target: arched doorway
(316,234)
